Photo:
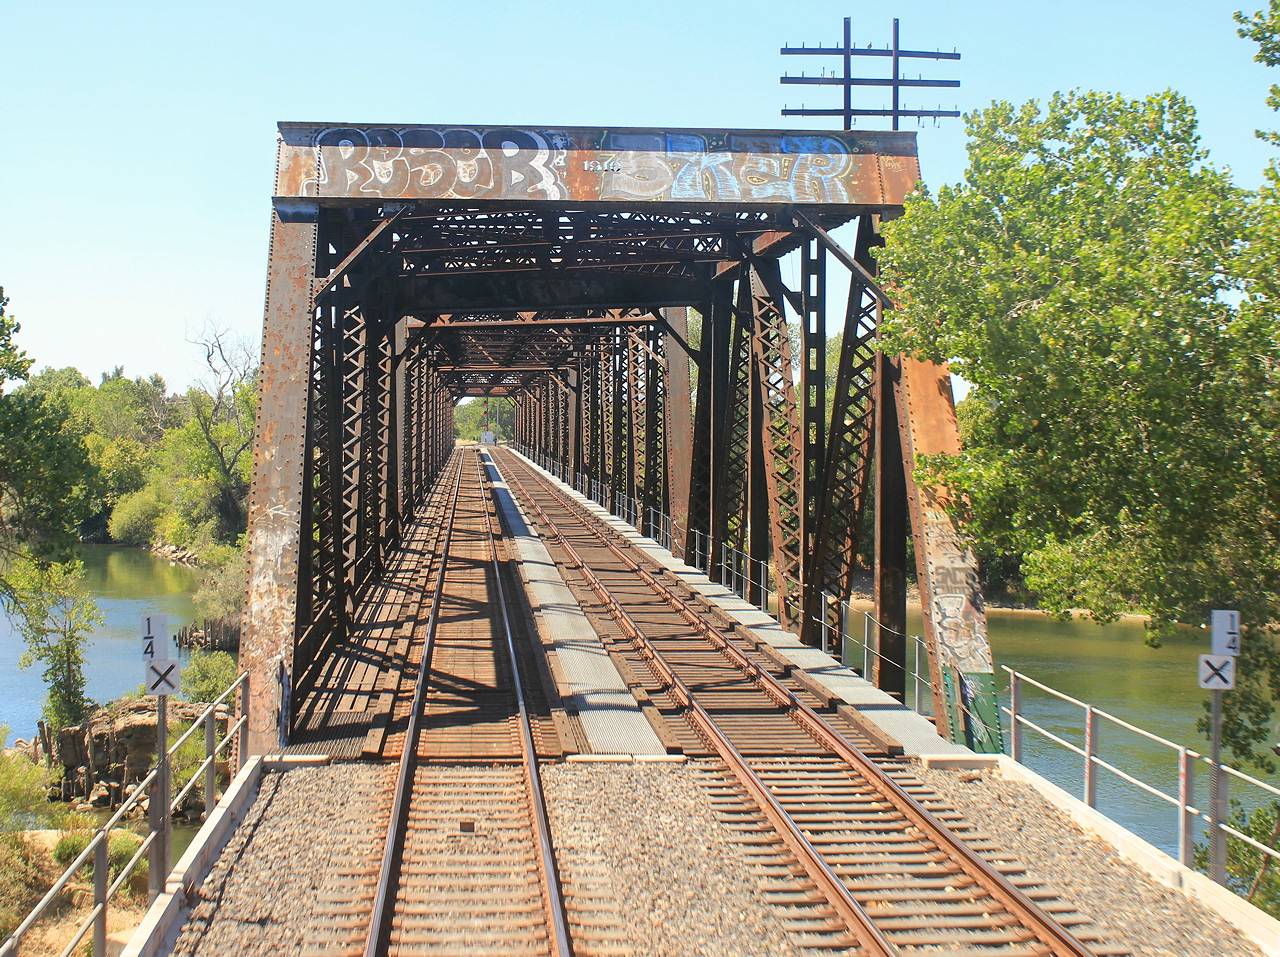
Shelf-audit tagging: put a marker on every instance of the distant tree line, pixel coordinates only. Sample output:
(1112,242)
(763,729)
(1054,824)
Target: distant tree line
(126,461)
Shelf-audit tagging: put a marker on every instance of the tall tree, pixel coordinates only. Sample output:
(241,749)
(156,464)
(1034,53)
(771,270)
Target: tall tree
(1085,278)
(56,615)
(45,475)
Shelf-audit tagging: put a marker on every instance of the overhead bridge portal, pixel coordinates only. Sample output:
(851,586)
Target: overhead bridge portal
(632,292)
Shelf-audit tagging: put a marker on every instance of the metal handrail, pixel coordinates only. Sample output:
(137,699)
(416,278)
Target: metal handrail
(1183,802)
(746,576)
(97,845)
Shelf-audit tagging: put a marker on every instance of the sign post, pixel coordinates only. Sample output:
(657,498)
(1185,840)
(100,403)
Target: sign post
(160,676)
(1218,674)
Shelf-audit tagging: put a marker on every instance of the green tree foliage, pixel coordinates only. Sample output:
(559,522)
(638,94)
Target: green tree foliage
(55,615)
(221,590)
(23,805)
(206,675)
(1085,278)
(45,474)
(468,419)
(1252,874)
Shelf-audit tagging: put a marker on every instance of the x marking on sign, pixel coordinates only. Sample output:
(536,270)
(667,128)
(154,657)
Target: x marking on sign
(1217,672)
(160,678)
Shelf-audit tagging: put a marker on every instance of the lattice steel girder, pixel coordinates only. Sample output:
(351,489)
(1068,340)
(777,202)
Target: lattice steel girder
(621,165)
(600,290)
(842,489)
(781,434)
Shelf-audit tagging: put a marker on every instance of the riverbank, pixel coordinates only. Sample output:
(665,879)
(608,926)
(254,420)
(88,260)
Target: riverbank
(864,593)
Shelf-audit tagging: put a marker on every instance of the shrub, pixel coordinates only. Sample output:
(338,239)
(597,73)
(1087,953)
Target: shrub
(207,674)
(70,846)
(21,881)
(134,519)
(121,846)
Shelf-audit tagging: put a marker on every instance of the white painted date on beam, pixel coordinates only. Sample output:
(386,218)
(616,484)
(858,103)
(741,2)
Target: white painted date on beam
(598,166)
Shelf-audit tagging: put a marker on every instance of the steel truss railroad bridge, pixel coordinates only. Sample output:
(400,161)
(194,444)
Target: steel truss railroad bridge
(411,266)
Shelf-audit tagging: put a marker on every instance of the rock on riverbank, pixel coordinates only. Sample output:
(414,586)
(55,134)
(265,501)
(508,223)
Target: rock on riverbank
(113,748)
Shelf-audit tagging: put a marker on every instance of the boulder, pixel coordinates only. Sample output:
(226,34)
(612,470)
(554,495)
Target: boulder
(117,744)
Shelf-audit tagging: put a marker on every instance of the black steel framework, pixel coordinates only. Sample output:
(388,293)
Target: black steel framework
(654,354)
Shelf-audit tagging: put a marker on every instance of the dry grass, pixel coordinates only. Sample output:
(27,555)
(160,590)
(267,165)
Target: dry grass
(50,935)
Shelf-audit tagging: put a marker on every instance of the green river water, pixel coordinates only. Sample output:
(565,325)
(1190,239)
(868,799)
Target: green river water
(1111,668)
(1106,666)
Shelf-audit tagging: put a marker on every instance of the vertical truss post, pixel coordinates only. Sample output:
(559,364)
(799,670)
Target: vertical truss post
(731,503)
(575,423)
(275,502)
(403,450)
(679,429)
(813,413)
(593,421)
(845,486)
(813,388)
(757,483)
(637,423)
(700,453)
(889,665)
(654,490)
(620,465)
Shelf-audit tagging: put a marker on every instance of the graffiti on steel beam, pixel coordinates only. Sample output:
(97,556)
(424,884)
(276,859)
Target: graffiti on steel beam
(503,163)
(956,595)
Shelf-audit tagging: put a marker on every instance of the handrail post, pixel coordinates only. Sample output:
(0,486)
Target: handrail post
(101,881)
(210,771)
(1186,798)
(915,682)
(1090,755)
(242,744)
(158,809)
(1015,714)
(1217,796)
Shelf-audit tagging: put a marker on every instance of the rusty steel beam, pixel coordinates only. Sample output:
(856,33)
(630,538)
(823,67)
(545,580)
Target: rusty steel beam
(275,500)
(950,587)
(637,167)
(780,432)
(679,428)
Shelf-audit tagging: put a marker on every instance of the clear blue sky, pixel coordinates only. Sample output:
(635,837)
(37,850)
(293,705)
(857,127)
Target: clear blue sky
(137,143)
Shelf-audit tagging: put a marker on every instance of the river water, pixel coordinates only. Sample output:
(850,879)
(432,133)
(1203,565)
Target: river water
(1111,668)
(1106,666)
(127,583)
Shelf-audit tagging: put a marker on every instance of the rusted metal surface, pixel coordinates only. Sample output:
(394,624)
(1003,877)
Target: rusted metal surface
(783,441)
(551,267)
(280,451)
(573,164)
(950,588)
(679,437)
(843,482)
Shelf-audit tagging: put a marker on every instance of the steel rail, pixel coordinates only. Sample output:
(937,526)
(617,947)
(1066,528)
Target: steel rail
(828,882)
(1034,919)
(383,900)
(557,917)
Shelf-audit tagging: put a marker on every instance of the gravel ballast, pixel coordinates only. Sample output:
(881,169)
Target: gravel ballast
(649,832)
(274,888)
(1131,910)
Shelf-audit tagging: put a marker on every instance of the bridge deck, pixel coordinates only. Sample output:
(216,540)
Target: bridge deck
(354,709)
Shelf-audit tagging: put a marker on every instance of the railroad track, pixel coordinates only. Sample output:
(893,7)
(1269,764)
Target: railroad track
(468,865)
(863,858)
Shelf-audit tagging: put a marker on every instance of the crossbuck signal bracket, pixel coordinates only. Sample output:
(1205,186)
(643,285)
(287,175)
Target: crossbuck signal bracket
(896,82)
